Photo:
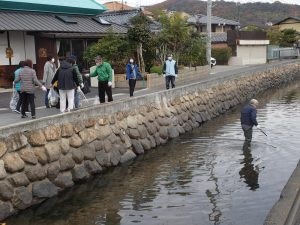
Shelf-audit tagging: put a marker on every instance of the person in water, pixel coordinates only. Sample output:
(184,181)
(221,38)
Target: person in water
(248,119)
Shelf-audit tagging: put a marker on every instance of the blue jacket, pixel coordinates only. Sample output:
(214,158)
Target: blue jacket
(248,116)
(132,71)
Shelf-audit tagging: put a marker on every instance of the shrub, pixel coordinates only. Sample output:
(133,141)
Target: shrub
(222,55)
(156,69)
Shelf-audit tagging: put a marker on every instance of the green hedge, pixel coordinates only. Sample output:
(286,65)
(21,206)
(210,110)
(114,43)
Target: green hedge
(222,55)
(156,69)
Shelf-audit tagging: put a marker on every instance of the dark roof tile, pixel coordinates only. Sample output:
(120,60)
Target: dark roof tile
(46,22)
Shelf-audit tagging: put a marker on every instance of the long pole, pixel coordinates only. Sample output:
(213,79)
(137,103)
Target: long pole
(208,27)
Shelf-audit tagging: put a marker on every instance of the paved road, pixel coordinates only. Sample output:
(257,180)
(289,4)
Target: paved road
(7,117)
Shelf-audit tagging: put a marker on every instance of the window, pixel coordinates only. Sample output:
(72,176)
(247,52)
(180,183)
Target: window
(66,19)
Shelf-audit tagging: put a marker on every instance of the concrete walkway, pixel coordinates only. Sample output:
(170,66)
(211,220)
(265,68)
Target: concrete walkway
(285,212)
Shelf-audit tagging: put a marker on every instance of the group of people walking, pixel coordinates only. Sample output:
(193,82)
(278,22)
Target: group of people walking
(67,80)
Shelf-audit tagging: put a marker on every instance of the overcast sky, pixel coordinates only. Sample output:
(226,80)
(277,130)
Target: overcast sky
(137,3)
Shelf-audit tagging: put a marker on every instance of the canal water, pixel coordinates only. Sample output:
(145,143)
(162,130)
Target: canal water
(203,177)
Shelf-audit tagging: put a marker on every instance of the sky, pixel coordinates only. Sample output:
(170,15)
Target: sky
(138,3)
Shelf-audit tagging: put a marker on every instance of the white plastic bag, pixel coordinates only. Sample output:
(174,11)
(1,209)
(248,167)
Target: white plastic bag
(53,97)
(14,99)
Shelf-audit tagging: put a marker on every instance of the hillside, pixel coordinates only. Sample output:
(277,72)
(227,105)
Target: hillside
(249,13)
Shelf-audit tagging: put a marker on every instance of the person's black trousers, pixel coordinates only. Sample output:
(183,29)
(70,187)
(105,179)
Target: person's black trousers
(19,101)
(102,89)
(170,79)
(132,83)
(27,99)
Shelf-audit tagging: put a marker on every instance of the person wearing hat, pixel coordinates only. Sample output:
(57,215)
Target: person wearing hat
(248,119)
(103,72)
(170,71)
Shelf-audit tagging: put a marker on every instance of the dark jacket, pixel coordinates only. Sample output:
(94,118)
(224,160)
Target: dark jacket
(248,116)
(66,77)
(132,71)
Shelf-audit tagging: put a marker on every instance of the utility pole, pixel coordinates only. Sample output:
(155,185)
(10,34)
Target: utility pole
(208,28)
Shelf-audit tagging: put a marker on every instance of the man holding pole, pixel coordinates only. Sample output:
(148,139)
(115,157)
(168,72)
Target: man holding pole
(248,119)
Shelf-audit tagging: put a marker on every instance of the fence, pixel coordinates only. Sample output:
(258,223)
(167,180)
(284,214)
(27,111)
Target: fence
(276,53)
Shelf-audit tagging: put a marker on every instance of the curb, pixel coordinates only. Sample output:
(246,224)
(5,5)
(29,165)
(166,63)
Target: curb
(286,210)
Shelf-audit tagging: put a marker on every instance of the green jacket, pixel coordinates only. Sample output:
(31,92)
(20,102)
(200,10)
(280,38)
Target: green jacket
(104,72)
(79,76)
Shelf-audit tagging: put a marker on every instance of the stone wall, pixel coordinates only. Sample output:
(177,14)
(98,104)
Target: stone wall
(38,159)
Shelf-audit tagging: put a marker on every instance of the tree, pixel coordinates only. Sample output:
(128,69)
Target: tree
(274,35)
(112,47)
(139,35)
(194,51)
(175,32)
(289,37)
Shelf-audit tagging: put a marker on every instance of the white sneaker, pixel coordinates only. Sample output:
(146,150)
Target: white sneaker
(16,111)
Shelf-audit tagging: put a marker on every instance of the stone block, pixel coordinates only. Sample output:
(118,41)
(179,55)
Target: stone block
(107,145)
(65,146)
(103,158)
(142,131)
(75,141)
(129,155)
(115,157)
(15,142)
(66,163)
(35,173)
(145,143)
(6,191)
(36,138)
(78,126)
(64,180)
(67,130)
(88,135)
(89,153)
(22,198)
(92,167)
(13,163)
(90,122)
(103,132)
(77,155)
(52,133)
(79,173)
(133,133)
(3,173)
(52,150)
(3,148)
(137,147)
(6,210)
(44,189)
(18,179)
(40,154)
(53,170)
(28,156)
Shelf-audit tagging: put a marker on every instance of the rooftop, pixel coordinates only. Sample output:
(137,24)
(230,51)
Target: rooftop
(202,19)
(83,7)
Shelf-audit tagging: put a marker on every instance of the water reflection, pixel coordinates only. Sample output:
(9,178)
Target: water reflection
(249,172)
